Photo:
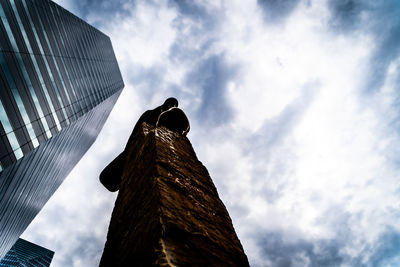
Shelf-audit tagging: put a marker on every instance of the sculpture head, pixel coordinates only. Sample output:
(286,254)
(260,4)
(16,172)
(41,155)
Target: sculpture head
(169,103)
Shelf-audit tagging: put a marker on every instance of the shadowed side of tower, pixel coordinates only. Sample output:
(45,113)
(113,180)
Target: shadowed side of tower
(168,212)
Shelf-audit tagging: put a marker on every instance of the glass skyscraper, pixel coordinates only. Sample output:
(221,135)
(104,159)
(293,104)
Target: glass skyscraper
(25,253)
(59,80)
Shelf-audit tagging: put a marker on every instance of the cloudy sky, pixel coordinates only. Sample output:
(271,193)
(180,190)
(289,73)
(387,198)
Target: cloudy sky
(294,107)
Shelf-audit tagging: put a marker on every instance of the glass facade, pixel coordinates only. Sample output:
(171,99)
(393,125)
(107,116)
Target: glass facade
(24,253)
(59,80)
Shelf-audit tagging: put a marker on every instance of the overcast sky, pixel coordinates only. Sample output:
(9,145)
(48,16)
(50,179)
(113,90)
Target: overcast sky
(294,109)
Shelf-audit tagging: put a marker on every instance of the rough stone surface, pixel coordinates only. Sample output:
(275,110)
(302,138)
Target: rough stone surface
(168,212)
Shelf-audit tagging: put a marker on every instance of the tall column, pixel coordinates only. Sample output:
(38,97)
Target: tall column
(168,212)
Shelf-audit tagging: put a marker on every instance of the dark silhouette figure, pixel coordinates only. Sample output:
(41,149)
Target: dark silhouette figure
(175,120)
(167,115)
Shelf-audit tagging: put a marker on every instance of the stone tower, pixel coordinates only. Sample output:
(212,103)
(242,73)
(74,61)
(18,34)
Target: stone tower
(168,212)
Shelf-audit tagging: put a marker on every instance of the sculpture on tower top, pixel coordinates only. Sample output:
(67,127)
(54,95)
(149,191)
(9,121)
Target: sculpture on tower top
(167,115)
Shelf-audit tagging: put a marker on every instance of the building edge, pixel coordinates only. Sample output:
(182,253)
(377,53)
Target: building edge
(16,186)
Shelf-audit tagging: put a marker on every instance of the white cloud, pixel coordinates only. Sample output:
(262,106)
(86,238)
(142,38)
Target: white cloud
(145,37)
